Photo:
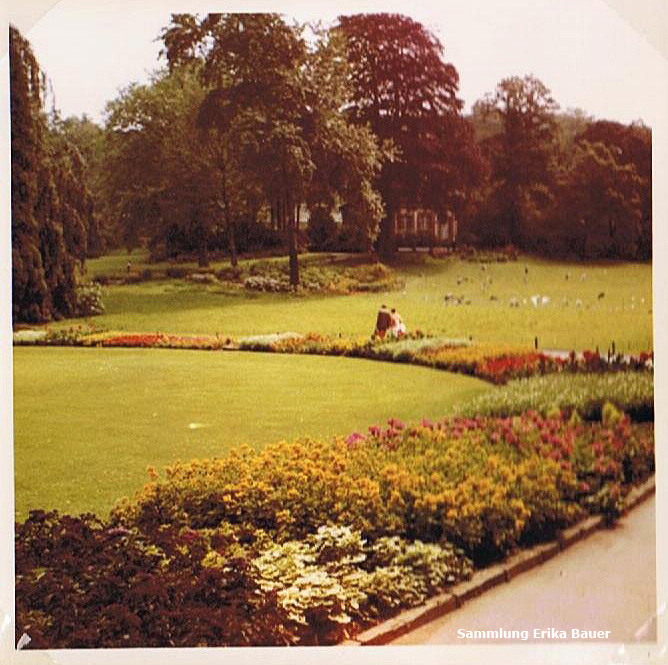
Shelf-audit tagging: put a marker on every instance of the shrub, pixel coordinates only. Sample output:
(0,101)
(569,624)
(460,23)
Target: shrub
(89,299)
(176,272)
(252,235)
(322,230)
(260,283)
(630,392)
(81,583)
(482,484)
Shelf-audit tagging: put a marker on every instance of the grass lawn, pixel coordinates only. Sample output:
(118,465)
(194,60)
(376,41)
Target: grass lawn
(89,421)
(615,304)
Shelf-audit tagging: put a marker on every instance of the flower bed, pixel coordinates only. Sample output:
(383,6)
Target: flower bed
(306,542)
(454,480)
(83,583)
(159,340)
(81,336)
(495,363)
(632,392)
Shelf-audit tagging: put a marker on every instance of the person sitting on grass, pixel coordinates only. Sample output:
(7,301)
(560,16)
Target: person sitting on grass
(397,328)
(383,322)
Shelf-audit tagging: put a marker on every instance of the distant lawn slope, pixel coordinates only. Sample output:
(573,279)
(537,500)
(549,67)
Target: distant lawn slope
(88,422)
(589,304)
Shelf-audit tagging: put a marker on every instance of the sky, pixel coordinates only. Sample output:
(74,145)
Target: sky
(586,54)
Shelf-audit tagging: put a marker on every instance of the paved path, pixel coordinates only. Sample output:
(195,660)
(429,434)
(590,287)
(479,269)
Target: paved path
(606,582)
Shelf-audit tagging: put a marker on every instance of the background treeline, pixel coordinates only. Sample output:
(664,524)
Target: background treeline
(254,121)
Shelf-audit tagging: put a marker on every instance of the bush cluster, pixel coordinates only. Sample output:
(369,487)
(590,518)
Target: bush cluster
(631,392)
(499,255)
(89,299)
(270,276)
(81,583)
(482,484)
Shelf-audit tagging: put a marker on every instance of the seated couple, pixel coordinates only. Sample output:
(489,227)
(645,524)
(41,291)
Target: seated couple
(389,323)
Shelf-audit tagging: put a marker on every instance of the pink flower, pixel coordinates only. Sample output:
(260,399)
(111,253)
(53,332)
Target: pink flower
(354,438)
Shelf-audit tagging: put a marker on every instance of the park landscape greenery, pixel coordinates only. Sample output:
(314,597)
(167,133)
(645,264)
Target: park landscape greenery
(233,458)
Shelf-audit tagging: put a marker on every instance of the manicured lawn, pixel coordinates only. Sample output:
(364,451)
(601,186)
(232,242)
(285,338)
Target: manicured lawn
(614,304)
(89,421)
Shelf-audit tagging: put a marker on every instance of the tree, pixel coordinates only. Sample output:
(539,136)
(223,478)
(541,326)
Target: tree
(89,139)
(250,64)
(407,94)
(277,123)
(602,203)
(82,141)
(522,155)
(51,205)
(161,180)
(346,156)
(629,145)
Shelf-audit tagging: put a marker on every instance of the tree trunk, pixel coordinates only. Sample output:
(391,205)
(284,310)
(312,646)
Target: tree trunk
(203,252)
(232,242)
(274,219)
(432,236)
(292,220)
(386,239)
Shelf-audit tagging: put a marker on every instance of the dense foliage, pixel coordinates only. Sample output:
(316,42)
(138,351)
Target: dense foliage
(273,113)
(85,583)
(407,94)
(560,184)
(51,205)
(633,392)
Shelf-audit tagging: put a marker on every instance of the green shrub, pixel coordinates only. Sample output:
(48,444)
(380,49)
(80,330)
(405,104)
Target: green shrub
(322,230)
(630,392)
(89,299)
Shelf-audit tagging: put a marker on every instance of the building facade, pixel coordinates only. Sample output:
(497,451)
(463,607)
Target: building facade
(423,225)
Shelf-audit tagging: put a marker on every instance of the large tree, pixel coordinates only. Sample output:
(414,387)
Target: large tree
(274,104)
(51,205)
(89,139)
(629,146)
(601,206)
(522,155)
(161,179)
(407,94)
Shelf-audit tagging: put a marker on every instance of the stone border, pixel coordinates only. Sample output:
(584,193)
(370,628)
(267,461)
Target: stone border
(487,578)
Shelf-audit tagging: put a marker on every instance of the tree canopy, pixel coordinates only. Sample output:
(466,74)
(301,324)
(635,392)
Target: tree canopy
(255,118)
(522,154)
(407,94)
(51,205)
(275,102)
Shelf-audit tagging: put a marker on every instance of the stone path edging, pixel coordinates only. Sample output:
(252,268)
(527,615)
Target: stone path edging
(490,577)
